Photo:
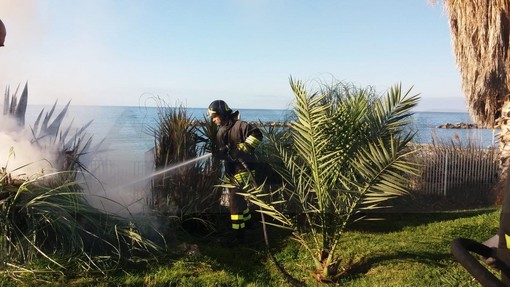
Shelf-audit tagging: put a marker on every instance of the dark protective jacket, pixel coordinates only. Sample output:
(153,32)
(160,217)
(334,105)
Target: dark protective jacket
(229,137)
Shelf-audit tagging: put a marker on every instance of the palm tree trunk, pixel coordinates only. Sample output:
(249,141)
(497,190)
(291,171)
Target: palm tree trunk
(480,32)
(481,40)
(503,196)
(504,146)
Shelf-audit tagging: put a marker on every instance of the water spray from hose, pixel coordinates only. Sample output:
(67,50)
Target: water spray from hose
(165,170)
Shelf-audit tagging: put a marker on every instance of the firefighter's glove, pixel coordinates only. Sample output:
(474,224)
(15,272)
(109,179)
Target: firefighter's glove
(239,151)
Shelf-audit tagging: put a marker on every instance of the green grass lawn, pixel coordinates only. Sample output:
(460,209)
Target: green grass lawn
(407,249)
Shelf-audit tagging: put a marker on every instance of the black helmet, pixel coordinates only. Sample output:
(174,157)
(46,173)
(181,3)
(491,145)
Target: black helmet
(220,108)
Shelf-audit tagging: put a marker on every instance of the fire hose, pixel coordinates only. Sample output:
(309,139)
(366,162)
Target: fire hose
(280,268)
(461,249)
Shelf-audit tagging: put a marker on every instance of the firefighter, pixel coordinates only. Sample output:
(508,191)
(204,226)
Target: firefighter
(236,141)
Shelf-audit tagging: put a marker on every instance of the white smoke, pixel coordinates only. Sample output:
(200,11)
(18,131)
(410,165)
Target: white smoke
(103,179)
(19,156)
(118,185)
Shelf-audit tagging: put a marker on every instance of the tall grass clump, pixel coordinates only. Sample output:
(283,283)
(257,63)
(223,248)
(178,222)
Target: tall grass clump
(344,153)
(187,192)
(53,229)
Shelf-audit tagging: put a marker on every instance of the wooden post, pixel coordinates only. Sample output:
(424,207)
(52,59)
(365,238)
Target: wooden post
(445,172)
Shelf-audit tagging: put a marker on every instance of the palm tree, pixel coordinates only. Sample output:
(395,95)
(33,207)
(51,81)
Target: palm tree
(344,152)
(480,32)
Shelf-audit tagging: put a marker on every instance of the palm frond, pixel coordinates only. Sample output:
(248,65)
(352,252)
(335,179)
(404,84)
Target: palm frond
(394,111)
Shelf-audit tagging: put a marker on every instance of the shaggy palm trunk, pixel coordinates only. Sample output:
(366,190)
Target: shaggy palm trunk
(480,32)
(503,184)
(481,39)
(504,145)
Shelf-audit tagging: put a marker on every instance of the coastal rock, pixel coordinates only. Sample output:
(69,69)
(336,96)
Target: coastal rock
(253,123)
(458,126)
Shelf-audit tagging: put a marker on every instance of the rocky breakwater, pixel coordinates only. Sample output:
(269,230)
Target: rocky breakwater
(458,126)
(254,123)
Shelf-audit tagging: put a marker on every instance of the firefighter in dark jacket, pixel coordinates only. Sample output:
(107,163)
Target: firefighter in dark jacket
(236,141)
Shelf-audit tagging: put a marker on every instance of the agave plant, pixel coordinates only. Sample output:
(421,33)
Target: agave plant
(71,147)
(67,146)
(48,218)
(15,108)
(346,152)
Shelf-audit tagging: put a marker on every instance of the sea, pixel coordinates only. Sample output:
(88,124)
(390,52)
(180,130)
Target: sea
(122,166)
(126,130)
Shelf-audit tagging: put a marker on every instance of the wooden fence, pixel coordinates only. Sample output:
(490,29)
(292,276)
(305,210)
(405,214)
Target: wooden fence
(449,171)
(443,171)
(117,173)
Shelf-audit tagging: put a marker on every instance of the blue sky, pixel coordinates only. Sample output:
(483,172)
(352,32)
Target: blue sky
(126,52)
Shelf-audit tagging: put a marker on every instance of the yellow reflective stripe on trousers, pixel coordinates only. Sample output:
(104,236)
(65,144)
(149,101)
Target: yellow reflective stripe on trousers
(253,141)
(246,214)
(236,216)
(237,225)
(507,240)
